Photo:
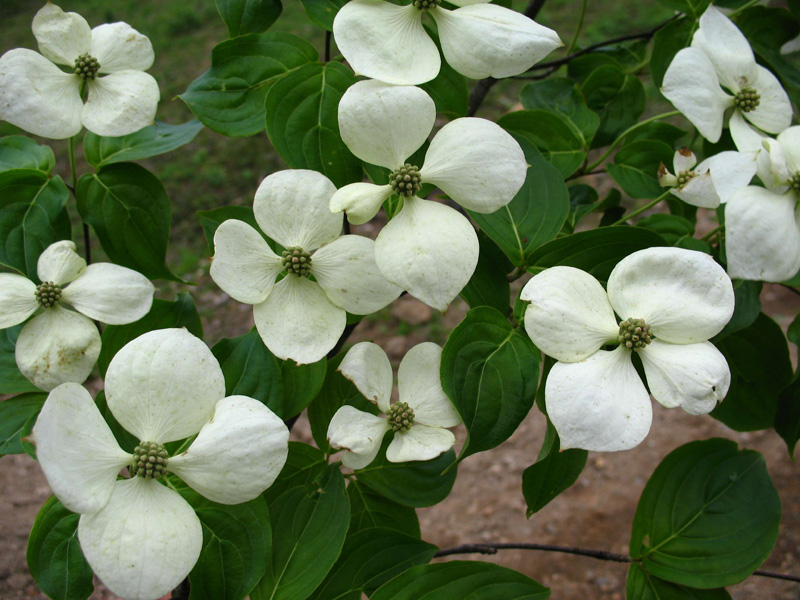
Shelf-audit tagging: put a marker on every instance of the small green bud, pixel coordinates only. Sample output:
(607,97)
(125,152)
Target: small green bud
(425,4)
(634,333)
(149,460)
(86,67)
(296,261)
(405,181)
(684,177)
(794,183)
(48,294)
(747,99)
(400,417)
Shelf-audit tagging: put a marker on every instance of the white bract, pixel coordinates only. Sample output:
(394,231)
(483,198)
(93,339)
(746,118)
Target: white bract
(60,344)
(719,72)
(418,418)
(428,249)
(711,182)
(108,61)
(297,318)
(388,42)
(672,301)
(139,536)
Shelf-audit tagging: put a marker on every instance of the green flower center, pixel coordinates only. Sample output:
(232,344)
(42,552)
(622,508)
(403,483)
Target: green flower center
(296,261)
(425,4)
(794,183)
(405,181)
(634,333)
(747,99)
(400,417)
(86,66)
(149,460)
(48,294)
(685,176)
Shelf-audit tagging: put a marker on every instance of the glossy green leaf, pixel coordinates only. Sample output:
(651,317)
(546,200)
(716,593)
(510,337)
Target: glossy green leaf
(20,152)
(747,307)
(461,580)
(643,586)
(151,141)
(635,167)
(248,16)
(618,98)
(489,285)
(301,384)
(563,95)
(490,372)
(11,380)
(304,465)
(667,42)
(14,414)
(369,509)
(33,215)
(673,228)
(787,417)
(229,97)
(322,12)
(691,7)
(303,122)
(708,517)
(54,555)
(129,210)
(584,200)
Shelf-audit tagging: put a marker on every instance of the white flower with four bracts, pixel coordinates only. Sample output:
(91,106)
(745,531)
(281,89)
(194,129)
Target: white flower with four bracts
(139,536)
(419,418)
(298,318)
(108,62)
(671,301)
(720,57)
(388,42)
(60,343)
(428,248)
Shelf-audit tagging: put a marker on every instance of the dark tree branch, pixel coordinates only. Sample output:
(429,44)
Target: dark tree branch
(327,46)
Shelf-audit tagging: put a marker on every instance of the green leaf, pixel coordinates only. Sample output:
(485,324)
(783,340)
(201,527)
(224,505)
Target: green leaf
(619,106)
(416,483)
(691,7)
(489,285)
(708,517)
(11,380)
(787,417)
(129,210)
(643,586)
(54,555)
(747,307)
(250,369)
(304,465)
(553,473)
(229,97)
(635,167)
(322,12)
(14,414)
(584,200)
(490,372)
(758,357)
(20,152)
(369,559)
(248,16)
(310,530)
(163,315)
(151,141)
(461,579)
(448,89)
(303,123)
(33,215)
(793,332)
(552,133)
(301,384)
(563,95)
(534,216)
(369,509)
(666,43)
(673,228)
(596,251)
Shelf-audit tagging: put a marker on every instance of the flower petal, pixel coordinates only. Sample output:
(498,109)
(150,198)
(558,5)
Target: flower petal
(789,141)
(163,385)
(119,47)
(683,160)
(477,163)
(76,449)
(774,111)
(421,442)
(727,48)
(698,191)
(730,172)
(691,84)
(358,432)
(486,40)
(346,270)
(385,124)
(598,403)
(62,37)
(237,455)
(298,321)
(60,263)
(110,294)
(244,265)
(360,201)
(693,376)
(762,239)
(368,367)
(38,97)
(569,316)
(386,42)
(57,346)
(292,208)
(121,103)
(17,300)
(745,137)
(428,249)
(420,385)
(144,542)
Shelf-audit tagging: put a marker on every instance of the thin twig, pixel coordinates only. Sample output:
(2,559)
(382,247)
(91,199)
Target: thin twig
(327,46)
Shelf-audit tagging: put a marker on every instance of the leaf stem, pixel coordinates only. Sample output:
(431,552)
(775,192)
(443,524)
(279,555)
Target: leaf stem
(578,28)
(743,8)
(639,211)
(87,240)
(713,232)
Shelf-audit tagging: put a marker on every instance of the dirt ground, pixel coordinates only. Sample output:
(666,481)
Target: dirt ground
(486,503)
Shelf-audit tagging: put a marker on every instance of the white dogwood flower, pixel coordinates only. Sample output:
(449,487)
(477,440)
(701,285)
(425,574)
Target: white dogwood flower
(299,318)
(139,536)
(428,249)
(671,301)
(720,57)
(711,182)
(108,62)
(60,343)
(419,418)
(388,42)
